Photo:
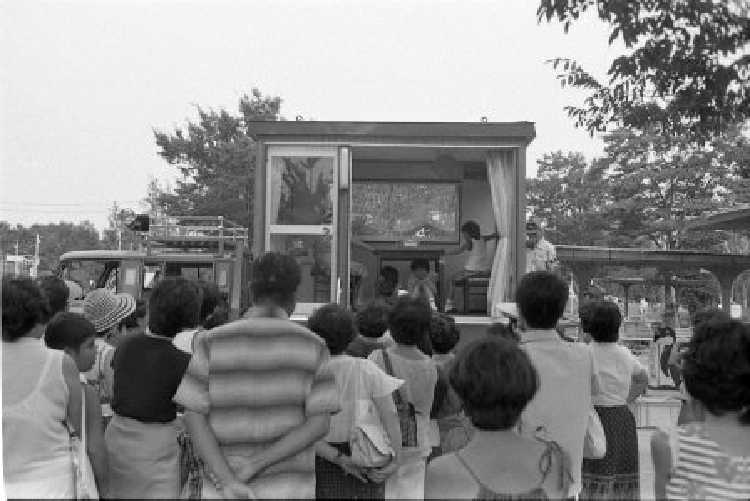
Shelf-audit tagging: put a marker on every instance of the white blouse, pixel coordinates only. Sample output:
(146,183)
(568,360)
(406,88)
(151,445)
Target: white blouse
(356,379)
(616,366)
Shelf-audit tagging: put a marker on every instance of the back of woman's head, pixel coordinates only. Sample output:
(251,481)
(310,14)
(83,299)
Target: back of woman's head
(24,306)
(372,318)
(604,321)
(444,333)
(335,324)
(541,297)
(472,229)
(716,367)
(495,380)
(275,277)
(409,321)
(174,305)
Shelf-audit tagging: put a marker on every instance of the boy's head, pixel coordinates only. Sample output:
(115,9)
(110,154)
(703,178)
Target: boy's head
(444,333)
(409,321)
(471,230)
(73,334)
(372,319)
(420,267)
(541,297)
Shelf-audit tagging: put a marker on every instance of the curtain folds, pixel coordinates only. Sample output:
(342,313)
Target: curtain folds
(501,174)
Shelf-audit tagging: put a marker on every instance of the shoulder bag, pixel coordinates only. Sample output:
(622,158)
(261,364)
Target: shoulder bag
(407,414)
(595,441)
(84,484)
(369,442)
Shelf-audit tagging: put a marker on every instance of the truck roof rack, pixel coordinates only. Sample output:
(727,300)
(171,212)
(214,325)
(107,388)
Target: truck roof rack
(203,234)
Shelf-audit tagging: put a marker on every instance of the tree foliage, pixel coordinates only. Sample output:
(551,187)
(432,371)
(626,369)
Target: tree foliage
(54,240)
(686,70)
(214,155)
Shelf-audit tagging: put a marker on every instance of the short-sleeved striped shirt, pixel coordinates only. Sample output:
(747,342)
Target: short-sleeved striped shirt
(257,379)
(703,471)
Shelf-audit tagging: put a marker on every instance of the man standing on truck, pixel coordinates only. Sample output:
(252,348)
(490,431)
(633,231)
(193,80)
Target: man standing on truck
(540,253)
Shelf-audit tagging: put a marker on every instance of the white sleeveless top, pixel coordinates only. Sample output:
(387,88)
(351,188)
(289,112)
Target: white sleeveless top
(36,443)
(477,260)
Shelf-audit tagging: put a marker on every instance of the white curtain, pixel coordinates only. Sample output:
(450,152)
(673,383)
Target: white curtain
(501,172)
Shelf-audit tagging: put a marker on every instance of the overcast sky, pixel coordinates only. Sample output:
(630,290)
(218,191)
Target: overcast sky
(83,83)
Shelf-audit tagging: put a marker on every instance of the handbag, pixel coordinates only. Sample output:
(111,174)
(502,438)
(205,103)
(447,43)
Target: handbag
(407,414)
(369,442)
(595,441)
(84,483)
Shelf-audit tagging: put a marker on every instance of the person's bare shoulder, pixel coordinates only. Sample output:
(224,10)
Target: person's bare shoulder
(446,478)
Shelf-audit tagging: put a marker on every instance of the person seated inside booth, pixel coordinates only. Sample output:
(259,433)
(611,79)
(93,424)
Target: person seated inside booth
(387,287)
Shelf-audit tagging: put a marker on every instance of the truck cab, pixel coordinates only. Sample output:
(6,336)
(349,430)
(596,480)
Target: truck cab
(208,248)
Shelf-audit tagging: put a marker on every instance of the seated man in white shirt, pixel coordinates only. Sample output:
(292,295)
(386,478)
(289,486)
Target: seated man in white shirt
(568,379)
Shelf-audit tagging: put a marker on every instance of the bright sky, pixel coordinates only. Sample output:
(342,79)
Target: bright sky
(82,84)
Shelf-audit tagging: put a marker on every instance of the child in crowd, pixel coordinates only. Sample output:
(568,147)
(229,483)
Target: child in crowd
(144,454)
(421,284)
(476,262)
(449,428)
(105,310)
(73,334)
(372,324)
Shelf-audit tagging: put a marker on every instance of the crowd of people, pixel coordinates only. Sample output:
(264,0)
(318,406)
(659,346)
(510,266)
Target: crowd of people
(171,399)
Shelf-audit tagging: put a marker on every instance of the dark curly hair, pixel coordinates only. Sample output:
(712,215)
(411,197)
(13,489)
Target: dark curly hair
(174,305)
(24,306)
(716,367)
(444,333)
(409,321)
(472,229)
(372,318)
(495,380)
(541,298)
(604,322)
(275,276)
(335,324)
(56,291)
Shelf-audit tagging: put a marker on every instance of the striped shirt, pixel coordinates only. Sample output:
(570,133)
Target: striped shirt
(257,379)
(703,471)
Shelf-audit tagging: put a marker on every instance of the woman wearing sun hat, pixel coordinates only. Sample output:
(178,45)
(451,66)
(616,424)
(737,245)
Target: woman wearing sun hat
(105,310)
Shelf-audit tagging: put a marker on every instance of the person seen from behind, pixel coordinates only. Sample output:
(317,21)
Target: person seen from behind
(710,459)
(141,439)
(41,398)
(387,286)
(57,293)
(359,382)
(74,335)
(622,379)
(372,325)
(450,429)
(105,310)
(409,324)
(258,393)
(495,380)
(567,374)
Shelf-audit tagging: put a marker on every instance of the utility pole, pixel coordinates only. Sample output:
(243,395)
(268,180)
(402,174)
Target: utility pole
(18,272)
(35,267)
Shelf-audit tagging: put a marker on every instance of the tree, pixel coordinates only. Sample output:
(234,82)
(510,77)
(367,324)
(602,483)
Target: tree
(658,184)
(54,240)
(215,157)
(684,72)
(568,194)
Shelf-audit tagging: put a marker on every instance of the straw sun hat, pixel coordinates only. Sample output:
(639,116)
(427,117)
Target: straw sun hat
(105,309)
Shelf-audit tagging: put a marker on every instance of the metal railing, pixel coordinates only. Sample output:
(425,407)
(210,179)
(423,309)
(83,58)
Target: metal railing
(171,228)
